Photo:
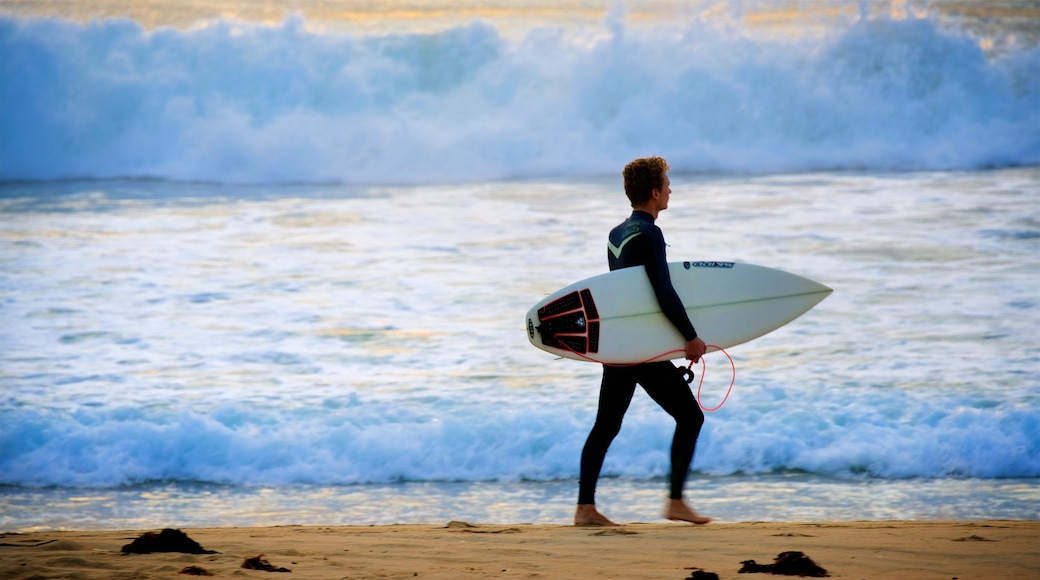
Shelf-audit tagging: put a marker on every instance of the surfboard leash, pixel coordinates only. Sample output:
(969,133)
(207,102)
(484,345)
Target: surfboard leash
(687,373)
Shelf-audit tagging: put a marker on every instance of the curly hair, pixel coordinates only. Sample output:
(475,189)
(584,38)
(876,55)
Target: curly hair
(642,177)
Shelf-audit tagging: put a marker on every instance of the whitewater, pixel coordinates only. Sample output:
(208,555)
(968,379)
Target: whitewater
(242,102)
(260,274)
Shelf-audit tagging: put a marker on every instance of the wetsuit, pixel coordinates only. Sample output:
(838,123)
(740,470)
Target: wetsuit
(638,242)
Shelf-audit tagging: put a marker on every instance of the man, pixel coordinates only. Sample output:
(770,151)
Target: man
(638,242)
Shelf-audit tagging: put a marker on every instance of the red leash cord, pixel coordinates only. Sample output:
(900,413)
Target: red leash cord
(704,369)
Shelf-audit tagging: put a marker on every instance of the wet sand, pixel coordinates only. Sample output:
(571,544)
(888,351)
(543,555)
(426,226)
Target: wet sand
(890,549)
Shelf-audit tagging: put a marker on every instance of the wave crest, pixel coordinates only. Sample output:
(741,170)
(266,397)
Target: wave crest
(241,102)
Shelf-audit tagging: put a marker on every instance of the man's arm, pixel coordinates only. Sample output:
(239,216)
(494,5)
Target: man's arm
(668,298)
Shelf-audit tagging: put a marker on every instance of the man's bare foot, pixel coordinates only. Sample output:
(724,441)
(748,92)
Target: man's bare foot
(677,510)
(587,515)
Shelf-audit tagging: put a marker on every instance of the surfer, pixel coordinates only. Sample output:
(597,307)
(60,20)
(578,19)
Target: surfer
(638,242)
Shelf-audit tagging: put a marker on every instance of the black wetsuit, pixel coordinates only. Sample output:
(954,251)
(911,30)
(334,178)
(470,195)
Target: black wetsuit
(638,242)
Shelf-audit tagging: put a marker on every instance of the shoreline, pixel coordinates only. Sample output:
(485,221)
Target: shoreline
(867,549)
(728,499)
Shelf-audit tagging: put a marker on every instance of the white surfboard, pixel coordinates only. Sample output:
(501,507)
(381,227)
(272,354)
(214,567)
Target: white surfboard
(615,318)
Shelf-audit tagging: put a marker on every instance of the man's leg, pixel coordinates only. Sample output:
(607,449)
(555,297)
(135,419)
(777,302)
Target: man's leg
(665,386)
(615,395)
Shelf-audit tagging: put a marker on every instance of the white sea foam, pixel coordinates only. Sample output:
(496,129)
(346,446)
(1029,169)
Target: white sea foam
(243,102)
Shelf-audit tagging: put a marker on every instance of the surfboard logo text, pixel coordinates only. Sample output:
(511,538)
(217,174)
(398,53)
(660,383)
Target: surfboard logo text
(689,265)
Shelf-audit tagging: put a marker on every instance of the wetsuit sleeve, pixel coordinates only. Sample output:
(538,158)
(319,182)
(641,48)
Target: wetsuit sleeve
(661,280)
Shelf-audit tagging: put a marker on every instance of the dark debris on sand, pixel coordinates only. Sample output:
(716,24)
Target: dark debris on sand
(167,540)
(259,563)
(787,564)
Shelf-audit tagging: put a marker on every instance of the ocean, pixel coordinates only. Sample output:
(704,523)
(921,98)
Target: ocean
(272,268)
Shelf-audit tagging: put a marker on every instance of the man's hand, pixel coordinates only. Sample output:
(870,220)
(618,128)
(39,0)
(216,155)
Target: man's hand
(695,349)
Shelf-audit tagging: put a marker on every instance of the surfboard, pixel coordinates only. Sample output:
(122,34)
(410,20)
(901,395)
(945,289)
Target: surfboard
(615,318)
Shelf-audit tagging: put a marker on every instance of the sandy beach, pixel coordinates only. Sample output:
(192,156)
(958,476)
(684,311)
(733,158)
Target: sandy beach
(890,549)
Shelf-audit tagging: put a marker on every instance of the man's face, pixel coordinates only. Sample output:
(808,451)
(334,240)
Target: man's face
(664,192)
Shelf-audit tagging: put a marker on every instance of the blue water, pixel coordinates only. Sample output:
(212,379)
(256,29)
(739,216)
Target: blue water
(271,274)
